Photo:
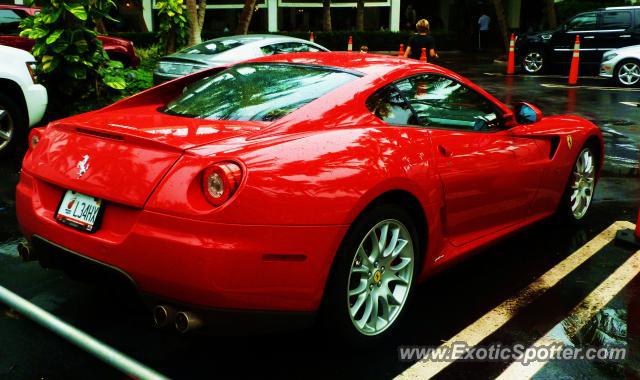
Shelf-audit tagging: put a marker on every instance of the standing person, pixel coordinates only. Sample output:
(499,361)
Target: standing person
(483,30)
(422,39)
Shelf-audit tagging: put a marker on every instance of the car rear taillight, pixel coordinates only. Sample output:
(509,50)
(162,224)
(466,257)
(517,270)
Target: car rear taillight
(34,137)
(220,181)
(32,66)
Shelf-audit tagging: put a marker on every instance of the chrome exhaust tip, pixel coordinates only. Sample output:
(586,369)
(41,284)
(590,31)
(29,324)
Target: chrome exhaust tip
(163,315)
(187,321)
(25,250)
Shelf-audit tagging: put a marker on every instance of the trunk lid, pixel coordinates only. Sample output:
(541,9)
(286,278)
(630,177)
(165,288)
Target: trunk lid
(125,154)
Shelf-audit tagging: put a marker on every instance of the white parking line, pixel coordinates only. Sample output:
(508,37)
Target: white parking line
(581,314)
(565,86)
(501,314)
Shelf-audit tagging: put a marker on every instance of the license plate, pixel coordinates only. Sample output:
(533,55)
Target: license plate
(79,211)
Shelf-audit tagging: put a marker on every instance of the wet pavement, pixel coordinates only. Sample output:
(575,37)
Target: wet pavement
(443,306)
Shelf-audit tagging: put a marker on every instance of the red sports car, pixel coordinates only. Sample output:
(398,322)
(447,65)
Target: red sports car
(11,15)
(296,184)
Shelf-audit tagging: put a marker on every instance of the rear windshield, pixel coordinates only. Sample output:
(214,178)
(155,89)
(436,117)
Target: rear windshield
(212,47)
(259,91)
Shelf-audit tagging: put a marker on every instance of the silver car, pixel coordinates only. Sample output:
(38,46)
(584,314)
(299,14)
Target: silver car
(225,50)
(622,65)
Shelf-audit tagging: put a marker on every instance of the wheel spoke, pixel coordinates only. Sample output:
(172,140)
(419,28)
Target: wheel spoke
(358,304)
(384,230)
(5,136)
(3,114)
(401,265)
(392,243)
(362,286)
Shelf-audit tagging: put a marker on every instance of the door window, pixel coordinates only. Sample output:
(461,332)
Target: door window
(637,19)
(585,21)
(615,20)
(442,102)
(9,22)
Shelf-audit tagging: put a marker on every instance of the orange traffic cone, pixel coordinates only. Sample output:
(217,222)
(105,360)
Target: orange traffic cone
(423,55)
(511,69)
(350,44)
(401,51)
(575,63)
(311,38)
(628,237)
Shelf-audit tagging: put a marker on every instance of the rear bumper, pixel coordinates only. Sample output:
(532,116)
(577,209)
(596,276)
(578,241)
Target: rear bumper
(219,321)
(211,265)
(36,98)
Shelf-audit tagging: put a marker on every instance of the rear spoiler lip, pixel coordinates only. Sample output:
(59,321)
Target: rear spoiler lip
(119,135)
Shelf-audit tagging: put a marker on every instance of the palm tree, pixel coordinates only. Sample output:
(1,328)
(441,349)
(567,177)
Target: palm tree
(326,15)
(196,10)
(360,16)
(502,21)
(245,16)
(551,14)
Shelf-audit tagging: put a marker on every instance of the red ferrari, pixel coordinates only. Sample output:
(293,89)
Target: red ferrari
(295,185)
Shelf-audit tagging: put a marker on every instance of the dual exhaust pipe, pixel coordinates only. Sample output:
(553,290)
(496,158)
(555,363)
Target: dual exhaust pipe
(26,251)
(183,321)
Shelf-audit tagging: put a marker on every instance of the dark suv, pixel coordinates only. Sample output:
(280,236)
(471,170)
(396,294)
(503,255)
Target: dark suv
(600,31)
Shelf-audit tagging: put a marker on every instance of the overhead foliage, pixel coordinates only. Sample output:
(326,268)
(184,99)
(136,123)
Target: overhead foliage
(71,61)
(173,30)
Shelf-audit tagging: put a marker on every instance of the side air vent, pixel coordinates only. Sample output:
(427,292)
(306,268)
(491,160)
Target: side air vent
(555,141)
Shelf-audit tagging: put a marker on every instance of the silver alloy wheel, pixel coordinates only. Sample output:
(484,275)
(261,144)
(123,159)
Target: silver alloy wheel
(6,128)
(629,74)
(533,62)
(584,174)
(380,277)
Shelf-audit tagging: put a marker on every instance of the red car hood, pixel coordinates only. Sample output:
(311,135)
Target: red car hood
(129,150)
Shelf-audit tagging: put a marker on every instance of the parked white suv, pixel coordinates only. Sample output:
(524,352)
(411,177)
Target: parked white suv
(622,65)
(22,100)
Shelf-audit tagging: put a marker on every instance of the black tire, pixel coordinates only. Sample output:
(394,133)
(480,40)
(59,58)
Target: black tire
(620,78)
(13,119)
(529,58)
(565,211)
(335,316)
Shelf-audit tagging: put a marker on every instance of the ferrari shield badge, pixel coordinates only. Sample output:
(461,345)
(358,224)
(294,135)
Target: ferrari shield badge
(570,141)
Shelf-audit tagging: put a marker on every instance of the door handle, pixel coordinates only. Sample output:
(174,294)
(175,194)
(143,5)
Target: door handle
(444,151)
(589,37)
(625,36)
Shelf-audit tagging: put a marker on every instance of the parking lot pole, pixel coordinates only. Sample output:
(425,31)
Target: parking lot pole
(77,337)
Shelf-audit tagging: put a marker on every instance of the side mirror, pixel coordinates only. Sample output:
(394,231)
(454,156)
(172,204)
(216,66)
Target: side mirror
(527,113)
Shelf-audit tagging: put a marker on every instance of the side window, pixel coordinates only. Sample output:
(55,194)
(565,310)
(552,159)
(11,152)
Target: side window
(9,22)
(637,19)
(288,47)
(615,20)
(585,21)
(442,102)
(391,107)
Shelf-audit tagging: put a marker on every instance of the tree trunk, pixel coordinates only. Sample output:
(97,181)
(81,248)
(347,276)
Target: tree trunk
(195,15)
(360,16)
(172,39)
(326,15)
(245,17)
(502,21)
(551,14)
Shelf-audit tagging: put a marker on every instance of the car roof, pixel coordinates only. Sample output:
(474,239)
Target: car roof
(368,64)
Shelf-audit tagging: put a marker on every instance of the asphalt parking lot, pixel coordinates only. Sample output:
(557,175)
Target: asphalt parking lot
(444,306)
